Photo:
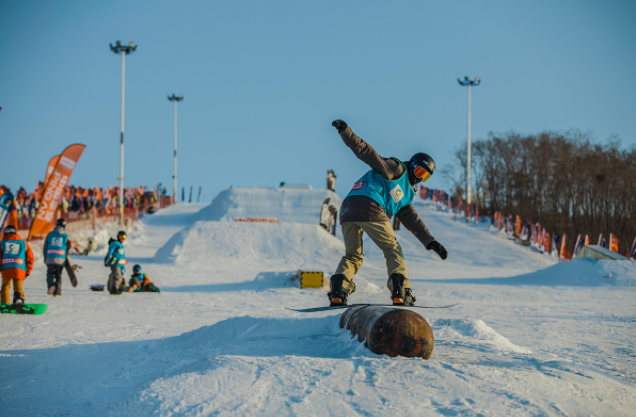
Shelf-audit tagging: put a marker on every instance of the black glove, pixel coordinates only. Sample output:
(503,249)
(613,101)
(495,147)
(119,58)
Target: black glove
(340,125)
(438,248)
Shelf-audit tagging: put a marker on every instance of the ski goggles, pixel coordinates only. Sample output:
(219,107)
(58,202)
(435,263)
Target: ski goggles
(420,172)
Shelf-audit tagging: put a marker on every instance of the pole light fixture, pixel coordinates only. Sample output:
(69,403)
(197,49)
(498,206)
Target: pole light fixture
(123,50)
(176,99)
(468,83)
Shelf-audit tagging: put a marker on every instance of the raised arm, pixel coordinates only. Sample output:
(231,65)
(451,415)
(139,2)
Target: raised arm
(389,168)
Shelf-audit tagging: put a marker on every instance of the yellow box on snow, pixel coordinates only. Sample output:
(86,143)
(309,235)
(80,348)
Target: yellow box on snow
(311,279)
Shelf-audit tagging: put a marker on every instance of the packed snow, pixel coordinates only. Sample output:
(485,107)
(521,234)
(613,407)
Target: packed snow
(530,336)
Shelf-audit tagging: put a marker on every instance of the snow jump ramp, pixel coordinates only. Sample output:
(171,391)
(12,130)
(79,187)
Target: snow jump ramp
(390,331)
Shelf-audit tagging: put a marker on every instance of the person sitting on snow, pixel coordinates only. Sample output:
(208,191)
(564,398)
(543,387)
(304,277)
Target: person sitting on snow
(139,282)
(384,191)
(17,264)
(116,260)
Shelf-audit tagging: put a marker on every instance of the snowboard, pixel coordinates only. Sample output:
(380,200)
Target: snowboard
(70,270)
(23,308)
(312,310)
(97,287)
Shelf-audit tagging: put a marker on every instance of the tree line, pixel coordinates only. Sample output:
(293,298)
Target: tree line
(564,181)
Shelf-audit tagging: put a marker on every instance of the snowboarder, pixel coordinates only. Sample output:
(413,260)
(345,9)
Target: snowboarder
(140,282)
(384,191)
(17,264)
(56,249)
(116,260)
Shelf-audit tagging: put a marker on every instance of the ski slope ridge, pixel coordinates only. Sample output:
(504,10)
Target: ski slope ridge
(286,205)
(584,272)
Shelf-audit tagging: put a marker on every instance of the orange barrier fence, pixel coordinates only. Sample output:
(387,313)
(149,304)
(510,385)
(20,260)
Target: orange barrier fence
(95,217)
(255,220)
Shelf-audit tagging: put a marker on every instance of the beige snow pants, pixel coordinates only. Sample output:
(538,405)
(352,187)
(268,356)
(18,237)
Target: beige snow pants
(381,233)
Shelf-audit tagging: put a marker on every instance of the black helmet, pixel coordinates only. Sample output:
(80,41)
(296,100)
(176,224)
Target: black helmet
(61,222)
(10,229)
(425,161)
(121,233)
(421,167)
(137,268)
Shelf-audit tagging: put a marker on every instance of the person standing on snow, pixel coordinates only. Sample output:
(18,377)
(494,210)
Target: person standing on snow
(116,260)
(56,249)
(17,264)
(385,191)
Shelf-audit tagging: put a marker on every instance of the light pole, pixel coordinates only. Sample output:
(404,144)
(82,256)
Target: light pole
(468,83)
(176,100)
(123,50)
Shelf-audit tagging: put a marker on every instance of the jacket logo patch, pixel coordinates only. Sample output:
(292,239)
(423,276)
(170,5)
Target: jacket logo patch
(397,193)
(357,185)
(57,241)
(12,249)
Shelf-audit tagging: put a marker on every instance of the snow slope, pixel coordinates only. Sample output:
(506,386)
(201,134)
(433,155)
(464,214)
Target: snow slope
(288,205)
(530,337)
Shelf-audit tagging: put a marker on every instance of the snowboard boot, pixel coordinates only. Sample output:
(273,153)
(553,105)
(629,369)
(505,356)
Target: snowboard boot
(401,296)
(337,295)
(17,300)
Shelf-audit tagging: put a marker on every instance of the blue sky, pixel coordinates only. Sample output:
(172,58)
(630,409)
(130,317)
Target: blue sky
(263,80)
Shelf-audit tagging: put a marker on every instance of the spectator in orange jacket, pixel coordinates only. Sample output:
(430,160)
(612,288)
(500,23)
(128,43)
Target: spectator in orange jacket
(17,264)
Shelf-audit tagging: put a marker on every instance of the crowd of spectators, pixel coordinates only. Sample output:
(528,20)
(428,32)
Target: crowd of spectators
(81,203)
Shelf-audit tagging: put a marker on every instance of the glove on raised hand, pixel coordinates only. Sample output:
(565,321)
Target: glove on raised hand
(339,124)
(438,248)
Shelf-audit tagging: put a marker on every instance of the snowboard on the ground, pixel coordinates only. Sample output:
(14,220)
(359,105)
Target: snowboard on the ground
(97,287)
(22,308)
(70,270)
(311,310)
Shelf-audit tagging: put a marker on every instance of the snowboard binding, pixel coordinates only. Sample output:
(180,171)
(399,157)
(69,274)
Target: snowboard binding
(337,296)
(401,296)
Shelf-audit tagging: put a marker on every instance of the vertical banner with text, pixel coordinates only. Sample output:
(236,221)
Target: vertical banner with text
(54,189)
(51,167)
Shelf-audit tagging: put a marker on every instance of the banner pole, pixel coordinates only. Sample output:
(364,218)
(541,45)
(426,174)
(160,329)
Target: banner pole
(121,156)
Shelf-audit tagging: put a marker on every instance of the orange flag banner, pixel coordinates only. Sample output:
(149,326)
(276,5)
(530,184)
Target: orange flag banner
(562,249)
(613,246)
(54,189)
(51,167)
(587,240)
(518,225)
(547,242)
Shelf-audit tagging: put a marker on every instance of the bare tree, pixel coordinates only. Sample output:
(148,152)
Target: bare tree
(561,180)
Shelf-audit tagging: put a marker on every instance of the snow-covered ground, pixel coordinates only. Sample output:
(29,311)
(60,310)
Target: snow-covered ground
(529,337)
